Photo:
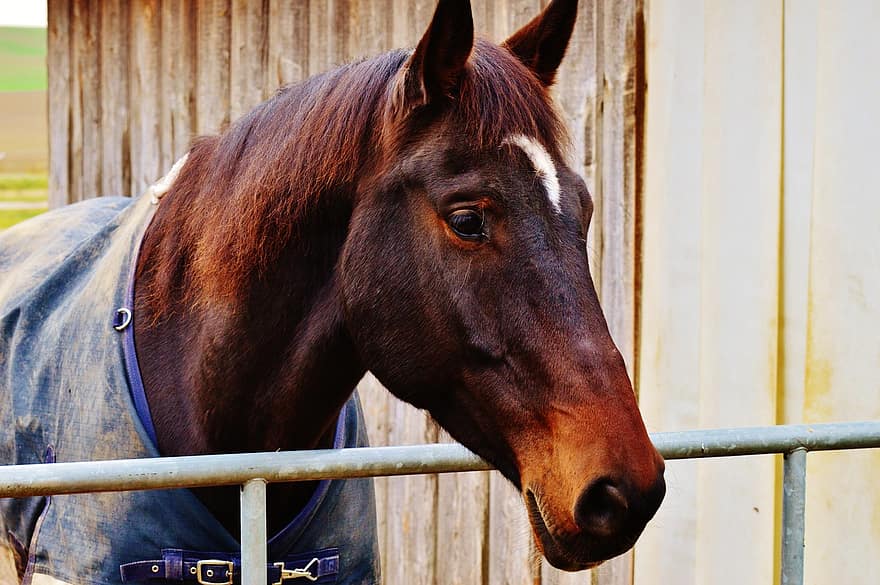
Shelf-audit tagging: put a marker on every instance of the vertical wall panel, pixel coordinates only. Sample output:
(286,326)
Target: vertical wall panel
(288,44)
(78,24)
(739,277)
(178,66)
(799,124)
(669,343)
(145,94)
(87,48)
(212,69)
(114,101)
(843,344)
(248,55)
(58,62)
(376,403)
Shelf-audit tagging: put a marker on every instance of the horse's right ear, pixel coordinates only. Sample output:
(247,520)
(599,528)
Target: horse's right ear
(541,43)
(435,68)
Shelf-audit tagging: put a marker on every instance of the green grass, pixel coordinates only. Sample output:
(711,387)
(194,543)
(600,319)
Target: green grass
(23,181)
(10,217)
(22,59)
(27,188)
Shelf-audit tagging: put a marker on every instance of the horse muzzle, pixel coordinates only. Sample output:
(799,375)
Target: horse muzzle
(604,521)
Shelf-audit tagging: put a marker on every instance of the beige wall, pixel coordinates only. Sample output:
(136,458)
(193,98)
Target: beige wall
(760,275)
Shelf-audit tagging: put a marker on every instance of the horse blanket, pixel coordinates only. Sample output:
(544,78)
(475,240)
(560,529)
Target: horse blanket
(69,385)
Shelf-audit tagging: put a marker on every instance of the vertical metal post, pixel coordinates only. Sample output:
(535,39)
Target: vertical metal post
(253,532)
(794,497)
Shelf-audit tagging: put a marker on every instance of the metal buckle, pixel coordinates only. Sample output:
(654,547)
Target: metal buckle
(200,577)
(295,573)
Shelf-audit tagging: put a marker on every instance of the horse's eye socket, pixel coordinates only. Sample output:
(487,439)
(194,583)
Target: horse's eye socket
(466,223)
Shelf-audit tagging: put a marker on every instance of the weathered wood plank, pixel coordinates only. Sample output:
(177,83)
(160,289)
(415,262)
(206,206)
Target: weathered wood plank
(88,48)
(462,526)
(177,58)
(115,161)
(287,58)
(248,56)
(212,66)
(411,549)
(511,552)
(371,24)
(145,94)
(376,402)
(58,63)
(78,13)
(328,34)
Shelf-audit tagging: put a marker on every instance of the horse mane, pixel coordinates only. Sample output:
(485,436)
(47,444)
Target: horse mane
(239,198)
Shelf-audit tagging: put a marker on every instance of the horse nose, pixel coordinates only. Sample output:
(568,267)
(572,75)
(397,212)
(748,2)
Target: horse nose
(607,509)
(602,508)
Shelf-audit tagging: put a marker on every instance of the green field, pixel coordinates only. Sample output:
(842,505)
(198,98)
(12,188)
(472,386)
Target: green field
(10,217)
(22,59)
(24,142)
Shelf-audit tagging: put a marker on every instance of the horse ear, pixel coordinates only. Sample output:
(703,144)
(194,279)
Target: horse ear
(541,44)
(435,68)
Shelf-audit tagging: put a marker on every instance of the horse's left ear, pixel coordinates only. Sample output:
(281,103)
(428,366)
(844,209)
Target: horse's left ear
(541,44)
(435,68)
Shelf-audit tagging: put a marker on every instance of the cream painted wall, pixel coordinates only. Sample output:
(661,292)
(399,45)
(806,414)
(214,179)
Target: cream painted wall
(761,275)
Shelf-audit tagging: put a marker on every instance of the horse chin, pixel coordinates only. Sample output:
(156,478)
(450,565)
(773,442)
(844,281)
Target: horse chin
(573,553)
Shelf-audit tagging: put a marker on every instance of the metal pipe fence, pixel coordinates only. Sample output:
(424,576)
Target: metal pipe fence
(253,471)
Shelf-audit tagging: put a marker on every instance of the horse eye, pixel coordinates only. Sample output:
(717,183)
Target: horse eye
(466,223)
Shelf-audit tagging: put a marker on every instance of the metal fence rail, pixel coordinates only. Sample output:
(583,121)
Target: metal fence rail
(253,471)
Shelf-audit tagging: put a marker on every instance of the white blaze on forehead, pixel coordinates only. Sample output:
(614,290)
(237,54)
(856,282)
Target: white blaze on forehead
(543,163)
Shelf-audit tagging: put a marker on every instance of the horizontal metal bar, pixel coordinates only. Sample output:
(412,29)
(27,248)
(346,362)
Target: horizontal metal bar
(758,440)
(175,472)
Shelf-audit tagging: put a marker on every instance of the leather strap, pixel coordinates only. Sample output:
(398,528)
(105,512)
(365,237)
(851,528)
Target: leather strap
(225,569)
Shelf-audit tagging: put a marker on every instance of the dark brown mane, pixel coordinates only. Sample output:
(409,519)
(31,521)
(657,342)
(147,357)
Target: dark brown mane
(238,200)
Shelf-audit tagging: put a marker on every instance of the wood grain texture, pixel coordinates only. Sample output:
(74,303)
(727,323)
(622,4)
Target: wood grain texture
(87,47)
(248,56)
(145,94)
(58,64)
(462,525)
(178,67)
(78,23)
(115,145)
(376,402)
(287,59)
(212,65)
(411,553)
(511,546)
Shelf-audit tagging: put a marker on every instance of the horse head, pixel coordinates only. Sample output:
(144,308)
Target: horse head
(467,289)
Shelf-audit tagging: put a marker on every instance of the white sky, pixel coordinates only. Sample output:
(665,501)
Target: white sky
(23,13)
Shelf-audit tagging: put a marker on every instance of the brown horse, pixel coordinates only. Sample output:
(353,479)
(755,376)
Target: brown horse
(411,215)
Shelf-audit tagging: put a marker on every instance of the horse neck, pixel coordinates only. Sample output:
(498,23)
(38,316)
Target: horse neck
(268,371)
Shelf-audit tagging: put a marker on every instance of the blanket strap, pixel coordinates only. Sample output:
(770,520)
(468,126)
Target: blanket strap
(225,569)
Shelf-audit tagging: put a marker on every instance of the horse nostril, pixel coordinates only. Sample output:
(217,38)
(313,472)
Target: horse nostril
(601,510)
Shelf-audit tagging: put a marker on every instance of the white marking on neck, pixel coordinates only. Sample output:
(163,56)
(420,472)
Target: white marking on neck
(544,167)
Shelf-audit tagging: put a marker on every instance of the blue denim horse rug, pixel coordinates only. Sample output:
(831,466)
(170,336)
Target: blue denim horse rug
(66,394)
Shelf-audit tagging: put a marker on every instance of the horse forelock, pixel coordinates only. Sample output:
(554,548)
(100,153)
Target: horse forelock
(240,197)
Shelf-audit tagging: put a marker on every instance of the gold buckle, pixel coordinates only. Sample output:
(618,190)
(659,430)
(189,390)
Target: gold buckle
(295,573)
(200,577)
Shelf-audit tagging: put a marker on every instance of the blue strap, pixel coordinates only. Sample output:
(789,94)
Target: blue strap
(122,322)
(180,565)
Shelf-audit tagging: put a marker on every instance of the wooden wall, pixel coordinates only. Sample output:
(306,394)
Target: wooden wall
(132,82)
